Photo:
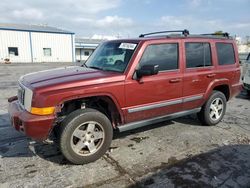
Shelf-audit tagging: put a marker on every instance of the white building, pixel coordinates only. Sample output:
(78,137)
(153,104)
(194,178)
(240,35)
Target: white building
(35,43)
(243,48)
(84,47)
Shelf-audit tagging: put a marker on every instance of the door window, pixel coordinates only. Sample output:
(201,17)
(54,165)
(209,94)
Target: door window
(164,55)
(198,54)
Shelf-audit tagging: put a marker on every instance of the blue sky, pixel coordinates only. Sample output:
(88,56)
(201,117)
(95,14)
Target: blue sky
(128,18)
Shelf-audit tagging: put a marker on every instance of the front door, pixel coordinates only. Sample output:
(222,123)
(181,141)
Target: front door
(155,95)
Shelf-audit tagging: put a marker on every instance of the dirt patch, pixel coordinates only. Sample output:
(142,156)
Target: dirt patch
(243,140)
(172,161)
(28,166)
(139,139)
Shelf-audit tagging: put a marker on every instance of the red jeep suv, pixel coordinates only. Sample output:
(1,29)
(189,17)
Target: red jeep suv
(126,84)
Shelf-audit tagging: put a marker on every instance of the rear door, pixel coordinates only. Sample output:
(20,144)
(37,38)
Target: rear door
(199,72)
(160,94)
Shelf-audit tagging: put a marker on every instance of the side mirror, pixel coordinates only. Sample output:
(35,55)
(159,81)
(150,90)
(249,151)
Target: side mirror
(147,70)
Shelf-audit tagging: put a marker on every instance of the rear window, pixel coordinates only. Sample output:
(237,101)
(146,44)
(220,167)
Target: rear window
(225,53)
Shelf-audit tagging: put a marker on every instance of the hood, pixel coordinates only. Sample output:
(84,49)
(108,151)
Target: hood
(67,75)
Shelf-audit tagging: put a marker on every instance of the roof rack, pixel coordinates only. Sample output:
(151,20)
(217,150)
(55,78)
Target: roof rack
(184,32)
(217,34)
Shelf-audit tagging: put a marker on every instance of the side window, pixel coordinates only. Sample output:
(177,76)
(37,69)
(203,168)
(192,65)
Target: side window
(86,53)
(225,53)
(47,51)
(198,54)
(13,51)
(164,55)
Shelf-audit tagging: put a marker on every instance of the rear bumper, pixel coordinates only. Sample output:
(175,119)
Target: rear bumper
(236,89)
(34,126)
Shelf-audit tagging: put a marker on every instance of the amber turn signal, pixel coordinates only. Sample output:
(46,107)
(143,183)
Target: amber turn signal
(42,111)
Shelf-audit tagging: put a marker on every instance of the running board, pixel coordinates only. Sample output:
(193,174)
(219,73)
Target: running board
(138,124)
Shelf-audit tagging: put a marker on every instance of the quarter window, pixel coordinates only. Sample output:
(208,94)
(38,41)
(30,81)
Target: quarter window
(164,55)
(198,55)
(225,53)
(13,51)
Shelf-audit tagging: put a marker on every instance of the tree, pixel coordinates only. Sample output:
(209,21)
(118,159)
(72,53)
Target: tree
(218,32)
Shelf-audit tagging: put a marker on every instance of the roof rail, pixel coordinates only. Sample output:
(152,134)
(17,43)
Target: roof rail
(218,34)
(184,32)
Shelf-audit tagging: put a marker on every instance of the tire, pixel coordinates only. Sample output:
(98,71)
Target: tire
(85,136)
(213,110)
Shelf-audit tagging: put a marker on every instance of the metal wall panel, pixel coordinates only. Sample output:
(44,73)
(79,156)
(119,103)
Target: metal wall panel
(60,45)
(15,39)
(30,46)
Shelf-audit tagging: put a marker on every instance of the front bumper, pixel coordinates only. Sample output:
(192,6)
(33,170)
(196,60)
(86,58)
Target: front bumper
(34,126)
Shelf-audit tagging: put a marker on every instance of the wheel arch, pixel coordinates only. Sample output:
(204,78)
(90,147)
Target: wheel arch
(222,85)
(104,102)
(224,89)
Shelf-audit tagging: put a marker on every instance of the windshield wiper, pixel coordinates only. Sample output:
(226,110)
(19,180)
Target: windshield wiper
(93,67)
(103,69)
(84,65)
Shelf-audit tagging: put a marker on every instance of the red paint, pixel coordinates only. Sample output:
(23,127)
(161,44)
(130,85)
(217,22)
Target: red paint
(36,127)
(56,87)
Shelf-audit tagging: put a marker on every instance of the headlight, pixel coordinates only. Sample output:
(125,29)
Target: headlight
(25,96)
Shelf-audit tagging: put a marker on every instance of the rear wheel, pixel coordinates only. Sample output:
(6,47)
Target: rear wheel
(85,136)
(214,109)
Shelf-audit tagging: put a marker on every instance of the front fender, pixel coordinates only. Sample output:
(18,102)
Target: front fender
(112,97)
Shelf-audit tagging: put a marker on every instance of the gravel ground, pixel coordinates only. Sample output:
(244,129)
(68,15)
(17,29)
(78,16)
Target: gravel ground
(177,153)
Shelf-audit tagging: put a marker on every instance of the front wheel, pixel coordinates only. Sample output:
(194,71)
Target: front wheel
(214,109)
(85,136)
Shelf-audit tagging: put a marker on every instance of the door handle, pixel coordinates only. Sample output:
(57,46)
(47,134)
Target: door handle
(211,75)
(196,80)
(176,80)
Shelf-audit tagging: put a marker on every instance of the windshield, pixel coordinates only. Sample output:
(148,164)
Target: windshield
(111,56)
